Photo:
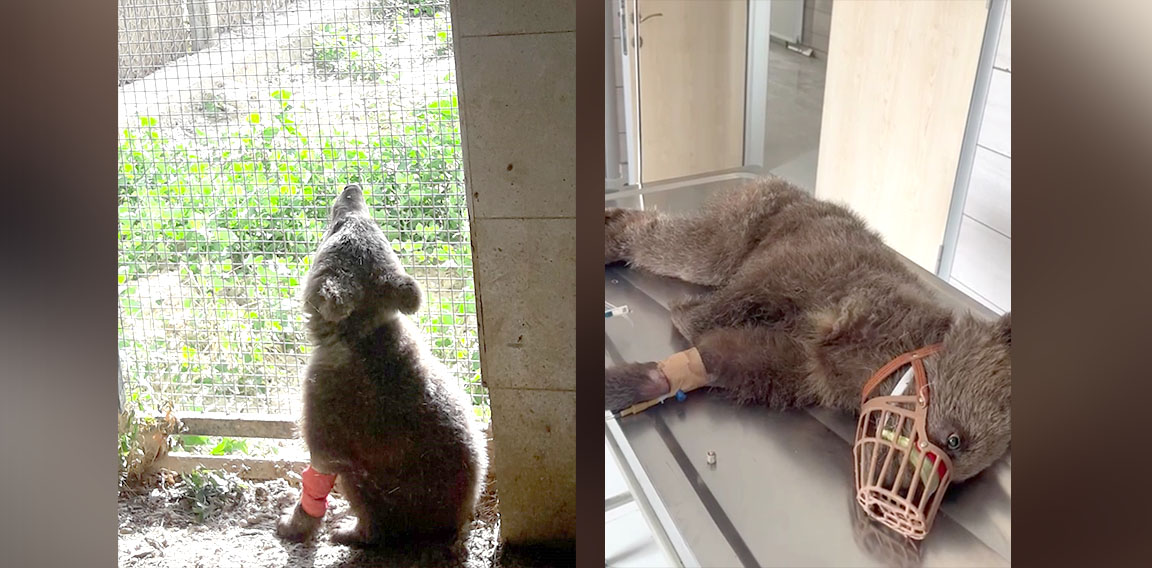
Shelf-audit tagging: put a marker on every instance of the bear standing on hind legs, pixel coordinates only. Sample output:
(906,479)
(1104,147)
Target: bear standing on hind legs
(805,303)
(384,420)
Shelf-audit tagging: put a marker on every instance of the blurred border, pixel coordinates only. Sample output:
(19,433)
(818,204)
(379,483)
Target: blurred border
(590,283)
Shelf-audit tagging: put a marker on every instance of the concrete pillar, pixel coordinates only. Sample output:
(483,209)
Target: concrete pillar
(516,81)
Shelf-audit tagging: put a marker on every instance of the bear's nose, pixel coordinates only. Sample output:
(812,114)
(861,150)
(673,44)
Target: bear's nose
(351,189)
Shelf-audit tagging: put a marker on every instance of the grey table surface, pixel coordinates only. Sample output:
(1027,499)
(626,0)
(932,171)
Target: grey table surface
(780,493)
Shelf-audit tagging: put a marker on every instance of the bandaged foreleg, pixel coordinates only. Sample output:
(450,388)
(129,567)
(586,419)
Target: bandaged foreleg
(314,491)
(685,372)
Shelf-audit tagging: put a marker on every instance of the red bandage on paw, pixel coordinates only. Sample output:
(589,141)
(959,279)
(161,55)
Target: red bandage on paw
(315,490)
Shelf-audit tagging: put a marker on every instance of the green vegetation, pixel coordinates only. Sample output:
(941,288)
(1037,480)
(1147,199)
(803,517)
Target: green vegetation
(222,204)
(207,491)
(141,437)
(216,233)
(340,52)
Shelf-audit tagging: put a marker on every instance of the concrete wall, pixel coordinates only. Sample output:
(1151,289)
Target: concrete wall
(153,33)
(516,83)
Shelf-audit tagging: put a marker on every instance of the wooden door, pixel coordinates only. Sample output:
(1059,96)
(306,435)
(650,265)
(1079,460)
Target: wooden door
(899,84)
(691,58)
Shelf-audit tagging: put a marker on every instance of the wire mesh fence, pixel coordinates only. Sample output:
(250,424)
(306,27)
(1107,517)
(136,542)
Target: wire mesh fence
(240,120)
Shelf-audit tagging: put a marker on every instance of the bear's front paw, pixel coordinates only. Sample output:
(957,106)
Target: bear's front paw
(296,525)
(633,383)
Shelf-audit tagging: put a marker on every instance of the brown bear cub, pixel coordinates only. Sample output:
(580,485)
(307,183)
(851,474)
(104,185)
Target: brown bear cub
(381,414)
(805,303)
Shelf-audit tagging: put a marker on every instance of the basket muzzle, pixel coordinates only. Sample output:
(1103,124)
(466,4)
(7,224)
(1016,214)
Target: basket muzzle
(901,476)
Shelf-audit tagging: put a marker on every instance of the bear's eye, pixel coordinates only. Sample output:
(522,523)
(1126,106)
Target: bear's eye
(954,442)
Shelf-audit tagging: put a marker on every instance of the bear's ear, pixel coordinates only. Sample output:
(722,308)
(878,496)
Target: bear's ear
(334,294)
(401,292)
(1004,328)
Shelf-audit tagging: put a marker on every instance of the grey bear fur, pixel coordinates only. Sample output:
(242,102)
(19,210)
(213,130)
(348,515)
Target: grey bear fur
(805,303)
(379,410)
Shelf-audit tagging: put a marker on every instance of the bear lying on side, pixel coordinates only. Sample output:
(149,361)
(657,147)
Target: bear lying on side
(805,303)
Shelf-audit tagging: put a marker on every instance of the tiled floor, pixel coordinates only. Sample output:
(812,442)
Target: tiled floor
(795,105)
(796,94)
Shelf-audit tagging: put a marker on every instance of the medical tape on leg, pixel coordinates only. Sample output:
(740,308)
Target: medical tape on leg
(685,372)
(314,491)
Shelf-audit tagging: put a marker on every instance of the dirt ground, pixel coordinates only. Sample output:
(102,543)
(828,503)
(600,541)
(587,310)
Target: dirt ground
(158,528)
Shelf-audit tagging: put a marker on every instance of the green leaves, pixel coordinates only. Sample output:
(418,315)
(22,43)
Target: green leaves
(223,228)
(230,446)
(191,442)
(206,491)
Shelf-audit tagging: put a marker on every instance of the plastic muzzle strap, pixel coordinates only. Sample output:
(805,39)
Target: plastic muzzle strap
(314,491)
(685,372)
(900,475)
